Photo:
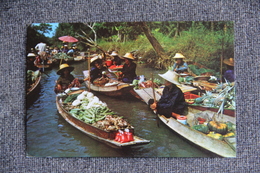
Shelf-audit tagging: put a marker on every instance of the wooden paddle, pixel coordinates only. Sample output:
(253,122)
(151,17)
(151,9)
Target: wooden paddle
(154,98)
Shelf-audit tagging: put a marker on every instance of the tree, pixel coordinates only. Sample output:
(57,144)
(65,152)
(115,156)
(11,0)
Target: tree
(35,35)
(156,45)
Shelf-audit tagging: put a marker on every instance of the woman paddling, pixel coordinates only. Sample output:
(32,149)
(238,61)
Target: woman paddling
(66,80)
(172,99)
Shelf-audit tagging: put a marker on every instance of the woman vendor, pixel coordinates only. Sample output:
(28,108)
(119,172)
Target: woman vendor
(128,72)
(180,66)
(97,72)
(229,75)
(116,59)
(66,80)
(172,99)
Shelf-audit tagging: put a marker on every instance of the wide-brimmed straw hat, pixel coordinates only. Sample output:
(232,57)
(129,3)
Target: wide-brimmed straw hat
(229,61)
(178,55)
(129,56)
(171,76)
(97,57)
(114,53)
(31,55)
(63,67)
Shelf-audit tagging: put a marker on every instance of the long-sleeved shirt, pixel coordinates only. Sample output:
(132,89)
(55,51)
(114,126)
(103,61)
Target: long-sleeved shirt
(172,99)
(65,81)
(41,47)
(229,75)
(129,71)
(180,68)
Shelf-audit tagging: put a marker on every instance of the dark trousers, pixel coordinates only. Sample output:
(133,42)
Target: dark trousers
(167,112)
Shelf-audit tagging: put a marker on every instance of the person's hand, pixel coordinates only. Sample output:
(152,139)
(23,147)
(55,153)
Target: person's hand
(153,106)
(86,79)
(59,87)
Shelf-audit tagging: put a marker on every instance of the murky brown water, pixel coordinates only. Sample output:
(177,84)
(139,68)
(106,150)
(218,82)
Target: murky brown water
(48,134)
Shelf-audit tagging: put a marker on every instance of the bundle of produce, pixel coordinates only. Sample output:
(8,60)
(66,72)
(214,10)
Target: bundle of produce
(225,98)
(88,108)
(31,77)
(213,128)
(62,56)
(201,71)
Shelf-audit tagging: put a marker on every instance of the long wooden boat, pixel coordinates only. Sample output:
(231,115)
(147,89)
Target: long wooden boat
(103,136)
(221,148)
(116,90)
(34,86)
(148,93)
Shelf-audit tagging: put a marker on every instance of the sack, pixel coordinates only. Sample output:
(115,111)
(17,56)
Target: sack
(100,81)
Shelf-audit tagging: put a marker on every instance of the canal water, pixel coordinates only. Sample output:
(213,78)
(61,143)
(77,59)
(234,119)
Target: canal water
(49,135)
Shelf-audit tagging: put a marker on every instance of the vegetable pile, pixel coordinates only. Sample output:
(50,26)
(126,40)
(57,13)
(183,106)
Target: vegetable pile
(31,78)
(62,56)
(214,129)
(202,71)
(89,109)
(221,97)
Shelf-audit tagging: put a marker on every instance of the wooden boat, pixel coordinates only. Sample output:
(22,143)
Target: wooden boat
(117,89)
(79,58)
(221,148)
(103,136)
(229,112)
(34,86)
(148,93)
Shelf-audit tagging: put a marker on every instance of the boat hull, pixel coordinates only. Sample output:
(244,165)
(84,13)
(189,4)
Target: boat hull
(115,91)
(216,146)
(95,133)
(35,87)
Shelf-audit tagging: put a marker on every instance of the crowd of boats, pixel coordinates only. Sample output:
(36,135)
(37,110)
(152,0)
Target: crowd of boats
(208,101)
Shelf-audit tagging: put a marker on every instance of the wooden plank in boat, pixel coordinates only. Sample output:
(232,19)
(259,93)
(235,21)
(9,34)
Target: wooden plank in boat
(231,142)
(146,94)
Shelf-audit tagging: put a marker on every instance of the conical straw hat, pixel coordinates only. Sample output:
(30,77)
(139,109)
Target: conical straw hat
(129,56)
(229,61)
(178,55)
(31,55)
(63,67)
(114,53)
(171,76)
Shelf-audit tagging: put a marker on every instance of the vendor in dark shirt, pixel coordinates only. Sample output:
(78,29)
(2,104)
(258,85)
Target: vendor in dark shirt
(30,62)
(172,99)
(96,68)
(229,75)
(128,72)
(66,80)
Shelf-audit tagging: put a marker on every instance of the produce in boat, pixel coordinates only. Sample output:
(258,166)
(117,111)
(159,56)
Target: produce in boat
(218,127)
(89,109)
(97,121)
(31,78)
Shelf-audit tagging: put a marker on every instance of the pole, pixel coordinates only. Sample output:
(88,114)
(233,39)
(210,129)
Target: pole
(221,59)
(88,70)
(154,98)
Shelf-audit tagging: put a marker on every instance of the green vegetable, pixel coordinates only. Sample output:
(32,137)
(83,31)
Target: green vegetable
(71,98)
(202,128)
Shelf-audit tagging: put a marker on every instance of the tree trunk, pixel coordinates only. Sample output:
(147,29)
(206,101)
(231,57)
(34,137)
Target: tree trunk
(177,32)
(156,45)
(212,26)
